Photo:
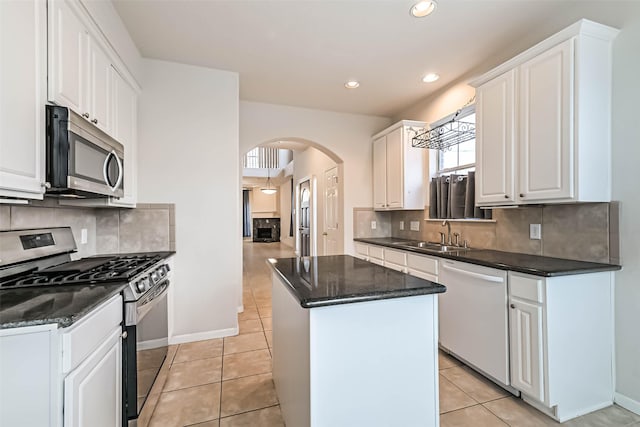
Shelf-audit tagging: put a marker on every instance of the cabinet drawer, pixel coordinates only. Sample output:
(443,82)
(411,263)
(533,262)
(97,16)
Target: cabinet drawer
(423,263)
(376,252)
(79,340)
(362,249)
(396,267)
(529,288)
(395,257)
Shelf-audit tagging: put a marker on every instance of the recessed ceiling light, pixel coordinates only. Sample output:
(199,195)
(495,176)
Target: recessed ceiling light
(423,8)
(351,84)
(430,78)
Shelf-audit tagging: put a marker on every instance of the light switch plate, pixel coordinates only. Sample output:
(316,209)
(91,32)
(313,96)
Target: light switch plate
(83,236)
(535,231)
(401,225)
(374,225)
(415,225)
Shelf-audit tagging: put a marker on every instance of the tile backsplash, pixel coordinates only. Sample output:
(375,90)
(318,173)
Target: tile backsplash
(148,227)
(584,231)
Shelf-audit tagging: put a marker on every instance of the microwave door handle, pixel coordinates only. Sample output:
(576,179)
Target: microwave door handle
(105,170)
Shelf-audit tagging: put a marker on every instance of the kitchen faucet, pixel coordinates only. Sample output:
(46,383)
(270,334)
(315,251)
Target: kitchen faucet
(448,224)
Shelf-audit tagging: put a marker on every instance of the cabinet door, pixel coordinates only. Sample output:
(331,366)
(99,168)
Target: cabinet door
(395,169)
(125,101)
(67,58)
(22,96)
(380,173)
(546,125)
(93,391)
(525,330)
(99,90)
(495,141)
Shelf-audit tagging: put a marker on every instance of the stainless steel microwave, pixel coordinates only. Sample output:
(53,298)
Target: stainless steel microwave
(82,161)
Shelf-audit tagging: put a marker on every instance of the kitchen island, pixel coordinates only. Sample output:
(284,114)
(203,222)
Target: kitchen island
(354,343)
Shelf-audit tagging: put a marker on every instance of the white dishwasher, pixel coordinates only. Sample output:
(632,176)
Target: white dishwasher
(473,317)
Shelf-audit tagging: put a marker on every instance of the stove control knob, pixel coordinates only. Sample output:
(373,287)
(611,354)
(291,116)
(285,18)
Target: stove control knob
(155,276)
(142,285)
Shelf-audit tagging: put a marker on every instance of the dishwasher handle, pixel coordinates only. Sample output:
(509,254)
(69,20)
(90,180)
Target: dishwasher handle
(485,277)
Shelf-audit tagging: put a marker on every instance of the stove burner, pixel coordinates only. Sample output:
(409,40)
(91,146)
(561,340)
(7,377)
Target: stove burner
(120,268)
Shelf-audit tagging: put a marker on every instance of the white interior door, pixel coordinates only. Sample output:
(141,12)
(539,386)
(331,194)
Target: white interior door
(331,234)
(304,215)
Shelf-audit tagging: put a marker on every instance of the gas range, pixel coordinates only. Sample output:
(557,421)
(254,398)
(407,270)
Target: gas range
(42,258)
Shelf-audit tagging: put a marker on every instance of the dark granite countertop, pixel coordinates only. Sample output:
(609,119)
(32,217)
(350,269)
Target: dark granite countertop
(63,305)
(523,263)
(343,279)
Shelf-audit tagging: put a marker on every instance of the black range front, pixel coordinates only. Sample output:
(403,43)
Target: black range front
(146,345)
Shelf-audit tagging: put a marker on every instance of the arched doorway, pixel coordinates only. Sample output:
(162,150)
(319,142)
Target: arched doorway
(315,228)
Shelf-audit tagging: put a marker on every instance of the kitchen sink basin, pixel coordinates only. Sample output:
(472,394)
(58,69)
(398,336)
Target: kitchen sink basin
(436,247)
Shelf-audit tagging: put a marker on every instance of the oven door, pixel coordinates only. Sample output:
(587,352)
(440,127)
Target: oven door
(145,353)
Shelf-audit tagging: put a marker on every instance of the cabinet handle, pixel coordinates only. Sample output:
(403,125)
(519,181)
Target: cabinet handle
(85,115)
(506,196)
(521,195)
(45,185)
(94,121)
(512,305)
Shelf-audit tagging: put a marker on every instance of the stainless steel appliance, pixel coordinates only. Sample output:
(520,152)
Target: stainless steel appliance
(82,161)
(42,258)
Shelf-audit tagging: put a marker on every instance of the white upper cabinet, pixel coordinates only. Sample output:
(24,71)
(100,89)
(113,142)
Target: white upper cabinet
(546,134)
(100,92)
(23,55)
(125,122)
(495,138)
(548,108)
(398,170)
(80,65)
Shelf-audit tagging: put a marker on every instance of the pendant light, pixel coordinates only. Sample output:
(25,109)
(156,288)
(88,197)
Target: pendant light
(269,189)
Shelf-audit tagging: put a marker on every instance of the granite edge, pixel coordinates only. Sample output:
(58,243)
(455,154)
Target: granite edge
(65,321)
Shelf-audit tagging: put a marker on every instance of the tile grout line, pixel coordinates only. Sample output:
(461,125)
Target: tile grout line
(248,412)
(496,415)
(221,372)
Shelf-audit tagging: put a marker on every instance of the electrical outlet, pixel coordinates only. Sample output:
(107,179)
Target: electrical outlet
(401,225)
(535,231)
(374,225)
(415,225)
(83,236)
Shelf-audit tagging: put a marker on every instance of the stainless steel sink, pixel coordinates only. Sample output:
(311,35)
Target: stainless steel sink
(436,247)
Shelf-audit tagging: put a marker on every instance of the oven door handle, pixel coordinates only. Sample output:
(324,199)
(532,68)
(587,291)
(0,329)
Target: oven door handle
(142,310)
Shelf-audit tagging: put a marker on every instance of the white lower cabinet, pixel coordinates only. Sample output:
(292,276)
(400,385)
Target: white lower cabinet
(561,342)
(93,391)
(422,266)
(69,377)
(525,334)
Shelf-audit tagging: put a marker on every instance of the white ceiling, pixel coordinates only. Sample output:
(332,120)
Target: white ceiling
(300,52)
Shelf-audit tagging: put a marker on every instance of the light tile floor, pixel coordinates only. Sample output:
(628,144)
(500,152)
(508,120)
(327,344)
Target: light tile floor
(227,382)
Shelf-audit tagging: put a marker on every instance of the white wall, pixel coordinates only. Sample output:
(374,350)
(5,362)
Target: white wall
(313,163)
(261,203)
(626,154)
(348,136)
(188,155)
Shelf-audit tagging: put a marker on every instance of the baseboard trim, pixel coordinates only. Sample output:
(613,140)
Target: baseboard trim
(627,403)
(149,344)
(200,336)
(240,308)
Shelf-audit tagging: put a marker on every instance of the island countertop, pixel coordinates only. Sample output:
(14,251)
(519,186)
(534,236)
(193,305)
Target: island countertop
(343,279)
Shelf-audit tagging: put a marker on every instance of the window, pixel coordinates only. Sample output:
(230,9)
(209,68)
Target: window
(460,158)
(262,157)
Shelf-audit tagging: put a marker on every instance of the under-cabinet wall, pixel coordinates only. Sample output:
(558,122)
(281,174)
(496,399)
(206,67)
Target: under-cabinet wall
(585,231)
(149,227)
